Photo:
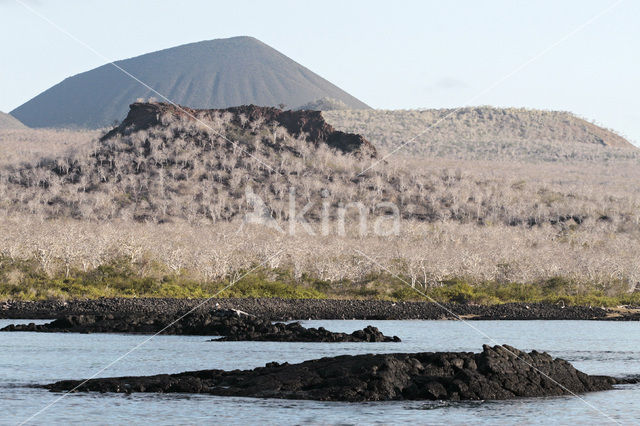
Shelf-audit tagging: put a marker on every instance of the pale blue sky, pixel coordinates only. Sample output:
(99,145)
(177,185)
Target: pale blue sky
(422,54)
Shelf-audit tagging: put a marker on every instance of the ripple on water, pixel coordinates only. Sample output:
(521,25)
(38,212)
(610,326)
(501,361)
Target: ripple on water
(31,358)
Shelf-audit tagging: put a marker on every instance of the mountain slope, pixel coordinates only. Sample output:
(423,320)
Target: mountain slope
(208,74)
(9,122)
(162,164)
(481,133)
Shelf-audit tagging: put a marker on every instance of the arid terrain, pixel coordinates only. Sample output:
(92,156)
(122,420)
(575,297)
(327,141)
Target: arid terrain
(348,213)
(164,198)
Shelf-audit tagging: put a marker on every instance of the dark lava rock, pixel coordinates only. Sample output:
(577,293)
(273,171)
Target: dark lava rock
(295,332)
(277,309)
(501,372)
(145,115)
(234,325)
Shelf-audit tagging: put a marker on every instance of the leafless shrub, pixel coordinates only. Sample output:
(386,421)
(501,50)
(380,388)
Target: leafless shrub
(176,195)
(425,253)
(485,133)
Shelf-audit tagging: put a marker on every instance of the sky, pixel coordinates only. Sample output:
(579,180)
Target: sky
(407,54)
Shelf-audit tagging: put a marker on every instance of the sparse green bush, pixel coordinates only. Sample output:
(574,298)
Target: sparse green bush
(25,280)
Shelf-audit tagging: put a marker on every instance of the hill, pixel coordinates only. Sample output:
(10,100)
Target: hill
(163,163)
(307,124)
(208,74)
(324,104)
(8,122)
(484,133)
(162,202)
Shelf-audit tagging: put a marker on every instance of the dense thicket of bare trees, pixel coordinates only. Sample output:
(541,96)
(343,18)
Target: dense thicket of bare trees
(174,196)
(423,253)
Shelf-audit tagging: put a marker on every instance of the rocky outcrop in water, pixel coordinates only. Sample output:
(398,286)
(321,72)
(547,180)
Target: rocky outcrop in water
(500,372)
(232,324)
(295,332)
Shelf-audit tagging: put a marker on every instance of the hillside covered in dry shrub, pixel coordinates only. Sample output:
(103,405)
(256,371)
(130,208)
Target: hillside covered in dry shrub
(485,133)
(162,164)
(8,121)
(155,206)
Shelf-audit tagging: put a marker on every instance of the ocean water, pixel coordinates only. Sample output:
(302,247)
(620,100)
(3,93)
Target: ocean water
(26,359)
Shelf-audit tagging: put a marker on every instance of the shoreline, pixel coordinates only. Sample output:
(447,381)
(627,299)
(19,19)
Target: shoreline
(276,309)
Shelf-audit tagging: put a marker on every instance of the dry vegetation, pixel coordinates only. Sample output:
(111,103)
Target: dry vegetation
(28,146)
(599,260)
(169,202)
(8,121)
(486,133)
(325,104)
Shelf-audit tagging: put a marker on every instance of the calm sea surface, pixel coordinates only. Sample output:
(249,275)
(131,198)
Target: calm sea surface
(26,359)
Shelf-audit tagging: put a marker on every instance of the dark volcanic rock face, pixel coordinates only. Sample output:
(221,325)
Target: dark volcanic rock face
(145,115)
(501,372)
(233,325)
(295,332)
